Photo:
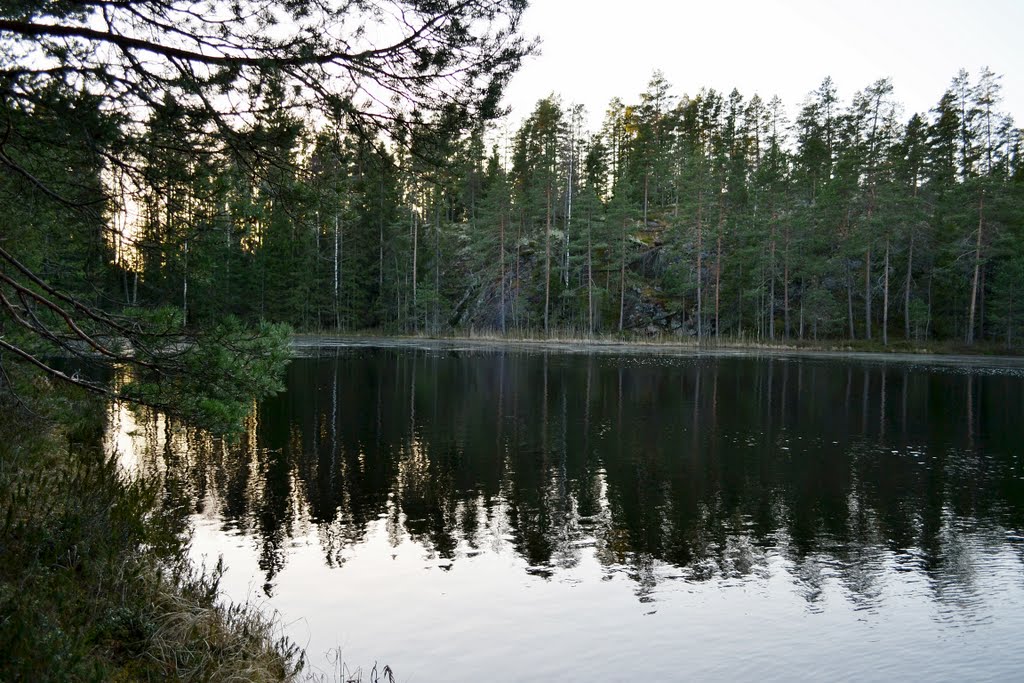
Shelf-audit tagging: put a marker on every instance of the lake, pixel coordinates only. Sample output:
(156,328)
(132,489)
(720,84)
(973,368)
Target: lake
(466,512)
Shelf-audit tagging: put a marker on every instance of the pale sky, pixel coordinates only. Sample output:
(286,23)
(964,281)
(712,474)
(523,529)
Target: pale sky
(594,50)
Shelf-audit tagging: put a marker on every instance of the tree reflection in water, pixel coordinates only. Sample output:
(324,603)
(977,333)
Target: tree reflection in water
(664,468)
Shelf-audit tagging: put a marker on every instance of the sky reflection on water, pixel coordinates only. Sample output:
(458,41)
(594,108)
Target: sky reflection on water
(480,514)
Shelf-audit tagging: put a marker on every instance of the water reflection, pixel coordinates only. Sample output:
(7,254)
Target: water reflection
(663,469)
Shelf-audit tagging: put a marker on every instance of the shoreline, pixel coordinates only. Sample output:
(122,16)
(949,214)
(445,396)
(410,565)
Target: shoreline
(306,341)
(95,567)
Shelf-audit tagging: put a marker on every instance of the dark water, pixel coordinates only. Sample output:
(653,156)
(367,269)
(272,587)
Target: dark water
(497,515)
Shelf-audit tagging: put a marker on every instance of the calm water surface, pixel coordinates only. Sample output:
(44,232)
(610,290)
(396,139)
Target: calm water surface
(506,515)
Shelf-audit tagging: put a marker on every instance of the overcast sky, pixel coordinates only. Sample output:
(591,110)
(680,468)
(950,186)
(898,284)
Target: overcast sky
(594,50)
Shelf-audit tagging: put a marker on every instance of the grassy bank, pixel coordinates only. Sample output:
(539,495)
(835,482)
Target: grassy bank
(94,579)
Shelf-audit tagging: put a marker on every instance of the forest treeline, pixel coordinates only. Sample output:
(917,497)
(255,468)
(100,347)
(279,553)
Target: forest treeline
(700,216)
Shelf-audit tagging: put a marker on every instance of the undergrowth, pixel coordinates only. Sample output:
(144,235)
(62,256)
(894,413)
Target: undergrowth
(95,583)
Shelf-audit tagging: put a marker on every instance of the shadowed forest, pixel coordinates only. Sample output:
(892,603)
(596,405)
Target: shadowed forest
(693,216)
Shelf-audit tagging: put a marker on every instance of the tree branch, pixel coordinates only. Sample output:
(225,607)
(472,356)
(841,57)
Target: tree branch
(25,355)
(30,29)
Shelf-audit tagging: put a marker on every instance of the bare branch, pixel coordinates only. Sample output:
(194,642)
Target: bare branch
(54,372)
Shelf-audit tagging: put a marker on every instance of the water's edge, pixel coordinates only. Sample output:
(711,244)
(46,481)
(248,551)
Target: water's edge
(305,344)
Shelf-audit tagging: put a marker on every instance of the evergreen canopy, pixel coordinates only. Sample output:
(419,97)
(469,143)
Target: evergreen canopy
(102,102)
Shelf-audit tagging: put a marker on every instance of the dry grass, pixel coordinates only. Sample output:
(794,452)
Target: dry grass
(196,637)
(668,341)
(342,673)
(94,579)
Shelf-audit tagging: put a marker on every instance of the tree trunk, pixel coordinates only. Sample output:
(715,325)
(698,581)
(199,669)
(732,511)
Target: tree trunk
(380,251)
(415,300)
(785,294)
(981,306)
(906,293)
(885,298)
(437,266)
(739,304)
(590,280)
(718,270)
(1009,323)
(317,257)
(515,299)
(977,270)
(928,318)
(761,306)
(568,209)
(184,290)
(849,301)
(803,290)
(771,289)
(547,259)
(501,260)
(337,301)
(622,279)
(398,294)
(700,267)
(867,294)
(647,177)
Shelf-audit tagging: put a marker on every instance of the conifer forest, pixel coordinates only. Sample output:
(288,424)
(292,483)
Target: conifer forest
(700,215)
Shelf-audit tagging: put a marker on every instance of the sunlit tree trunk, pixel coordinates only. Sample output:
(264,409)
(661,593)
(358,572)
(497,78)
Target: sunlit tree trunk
(622,278)
(337,275)
(568,200)
(415,246)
